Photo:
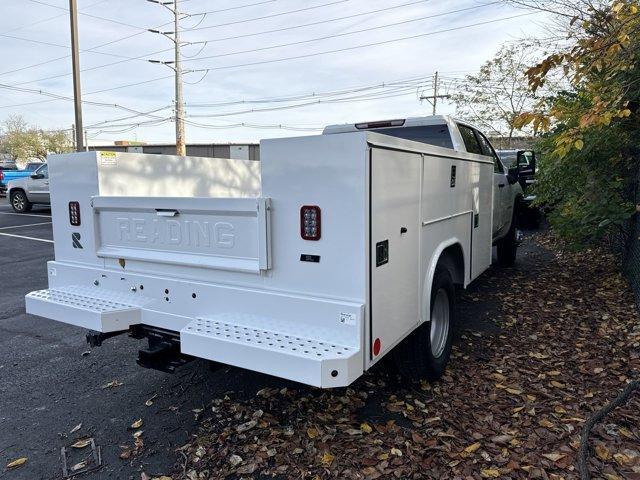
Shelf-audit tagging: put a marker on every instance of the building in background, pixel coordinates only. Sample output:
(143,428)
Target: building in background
(238,151)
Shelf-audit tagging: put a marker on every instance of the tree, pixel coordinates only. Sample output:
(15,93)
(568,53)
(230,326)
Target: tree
(589,171)
(496,97)
(23,142)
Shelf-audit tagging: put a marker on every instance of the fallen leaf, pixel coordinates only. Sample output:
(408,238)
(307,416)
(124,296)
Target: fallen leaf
(490,473)
(112,384)
(327,459)
(79,466)
(246,426)
(17,462)
(602,452)
(82,443)
(137,424)
(312,432)
(149,402)
(235,460)
(546,423)
(473,447)
(366,428)
(396,452)
(554,457)
(76,428)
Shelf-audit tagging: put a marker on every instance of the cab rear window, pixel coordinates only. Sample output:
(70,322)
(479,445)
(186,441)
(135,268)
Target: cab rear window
(437,135)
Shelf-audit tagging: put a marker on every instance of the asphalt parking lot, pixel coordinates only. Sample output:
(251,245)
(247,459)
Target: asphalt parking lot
(51,381)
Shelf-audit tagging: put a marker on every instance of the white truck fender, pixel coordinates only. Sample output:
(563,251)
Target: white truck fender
(425,313)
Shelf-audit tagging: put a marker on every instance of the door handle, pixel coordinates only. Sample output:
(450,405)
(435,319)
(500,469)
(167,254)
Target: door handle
(501,185)
(166,212)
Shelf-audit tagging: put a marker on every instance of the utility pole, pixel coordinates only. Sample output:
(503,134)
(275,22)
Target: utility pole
(176,66)
(181,149)
(433,99)
(75,56)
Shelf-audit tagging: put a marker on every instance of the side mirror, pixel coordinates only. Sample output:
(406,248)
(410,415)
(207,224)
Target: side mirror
(37,176)
(527,162)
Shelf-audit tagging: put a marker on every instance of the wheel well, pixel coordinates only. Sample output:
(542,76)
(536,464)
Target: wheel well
(14,190)
(452,258)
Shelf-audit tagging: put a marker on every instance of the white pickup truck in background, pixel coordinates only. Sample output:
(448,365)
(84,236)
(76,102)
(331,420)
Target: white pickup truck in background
(311,265)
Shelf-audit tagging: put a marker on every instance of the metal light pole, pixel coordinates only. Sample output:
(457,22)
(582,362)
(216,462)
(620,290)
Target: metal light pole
(75,56)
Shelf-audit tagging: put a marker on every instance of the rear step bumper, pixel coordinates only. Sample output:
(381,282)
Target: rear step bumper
(309,354)
(94,308)
(237,340)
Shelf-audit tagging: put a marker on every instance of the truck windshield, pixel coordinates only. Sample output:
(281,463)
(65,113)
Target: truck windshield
(437,135)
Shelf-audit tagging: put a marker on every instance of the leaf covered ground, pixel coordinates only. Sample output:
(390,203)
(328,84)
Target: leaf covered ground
(558,338)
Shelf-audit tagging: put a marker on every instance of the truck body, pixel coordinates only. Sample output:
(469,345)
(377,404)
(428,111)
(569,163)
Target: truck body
(310,265)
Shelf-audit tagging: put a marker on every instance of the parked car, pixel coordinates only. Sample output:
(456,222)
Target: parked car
(338,249)
(10,175)
(29,189)
(33,166)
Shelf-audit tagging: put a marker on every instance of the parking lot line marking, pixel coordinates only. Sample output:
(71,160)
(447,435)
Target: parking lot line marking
(25,214)
(23,226)
(26,238)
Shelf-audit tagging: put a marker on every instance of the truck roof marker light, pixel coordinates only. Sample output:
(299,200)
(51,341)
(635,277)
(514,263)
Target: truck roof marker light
(310,222)
(381,124)
(74,213)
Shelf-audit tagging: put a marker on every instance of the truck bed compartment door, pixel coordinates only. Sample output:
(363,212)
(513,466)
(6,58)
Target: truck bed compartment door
(395,244)
(218,233)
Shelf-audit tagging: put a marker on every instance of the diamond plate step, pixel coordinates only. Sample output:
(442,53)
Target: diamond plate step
(93,308)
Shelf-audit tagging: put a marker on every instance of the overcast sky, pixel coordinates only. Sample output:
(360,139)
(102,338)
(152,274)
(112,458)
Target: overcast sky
(453,37)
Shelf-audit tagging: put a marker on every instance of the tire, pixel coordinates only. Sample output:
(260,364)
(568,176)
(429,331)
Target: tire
(414,357)
(508,246)
(20,202)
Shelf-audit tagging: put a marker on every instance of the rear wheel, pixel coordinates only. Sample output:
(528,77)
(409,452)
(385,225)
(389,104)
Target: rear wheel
(426,351)
(20,202)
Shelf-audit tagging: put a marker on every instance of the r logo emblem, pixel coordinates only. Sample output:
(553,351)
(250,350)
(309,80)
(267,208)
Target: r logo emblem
(75,238)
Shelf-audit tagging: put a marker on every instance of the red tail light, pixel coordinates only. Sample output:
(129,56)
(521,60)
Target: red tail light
(74,214)
(1,175)
(310,222)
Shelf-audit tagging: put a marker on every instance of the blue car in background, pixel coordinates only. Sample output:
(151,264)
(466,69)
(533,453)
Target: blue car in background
(11,172)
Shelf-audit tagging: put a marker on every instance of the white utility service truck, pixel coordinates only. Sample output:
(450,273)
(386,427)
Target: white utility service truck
(312,264)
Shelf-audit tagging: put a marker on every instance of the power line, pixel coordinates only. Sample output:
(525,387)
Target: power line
(305,96)
(356,47)
(263,17)
(204,43)
(40,2)
(63,97)
(320,22)
(44,20)
(337,35)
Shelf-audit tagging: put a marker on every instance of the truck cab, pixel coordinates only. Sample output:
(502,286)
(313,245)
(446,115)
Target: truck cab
(449,132)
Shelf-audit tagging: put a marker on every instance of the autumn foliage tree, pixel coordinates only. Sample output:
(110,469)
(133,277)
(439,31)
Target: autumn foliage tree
(591,153)
(499,93)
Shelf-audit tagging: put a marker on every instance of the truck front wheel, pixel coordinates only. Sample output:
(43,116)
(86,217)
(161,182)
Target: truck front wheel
(425,352)
(20,202)
(508,246)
